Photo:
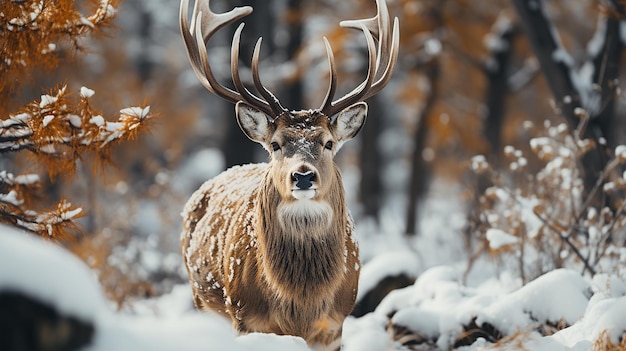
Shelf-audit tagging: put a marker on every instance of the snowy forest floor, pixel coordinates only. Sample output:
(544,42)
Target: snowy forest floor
(448,307)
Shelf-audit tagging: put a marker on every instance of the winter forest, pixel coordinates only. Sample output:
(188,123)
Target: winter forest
(487,185)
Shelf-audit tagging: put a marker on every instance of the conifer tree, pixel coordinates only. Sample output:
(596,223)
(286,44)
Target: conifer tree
(61,127)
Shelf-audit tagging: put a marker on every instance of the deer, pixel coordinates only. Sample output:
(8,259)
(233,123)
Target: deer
(270,245)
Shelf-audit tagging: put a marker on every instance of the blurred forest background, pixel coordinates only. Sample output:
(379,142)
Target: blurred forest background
(523,83)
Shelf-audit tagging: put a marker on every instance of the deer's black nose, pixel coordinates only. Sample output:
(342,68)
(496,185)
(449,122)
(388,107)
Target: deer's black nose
(303,180)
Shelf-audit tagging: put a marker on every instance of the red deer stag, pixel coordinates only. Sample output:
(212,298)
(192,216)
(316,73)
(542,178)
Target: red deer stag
(270,245)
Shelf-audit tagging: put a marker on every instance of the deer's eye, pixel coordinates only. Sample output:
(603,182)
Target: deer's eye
(329,145)
(275,146)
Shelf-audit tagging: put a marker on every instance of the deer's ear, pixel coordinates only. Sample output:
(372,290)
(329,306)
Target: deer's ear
(254,123)
(350,121)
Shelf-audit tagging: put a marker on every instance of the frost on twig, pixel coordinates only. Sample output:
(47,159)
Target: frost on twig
(31,31)
(57,131)
(540,220)
(18,192)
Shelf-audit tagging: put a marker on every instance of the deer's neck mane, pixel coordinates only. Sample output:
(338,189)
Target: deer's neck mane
(301,243)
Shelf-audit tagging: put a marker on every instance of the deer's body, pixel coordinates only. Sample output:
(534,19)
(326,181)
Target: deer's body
(270,245)
(297,279)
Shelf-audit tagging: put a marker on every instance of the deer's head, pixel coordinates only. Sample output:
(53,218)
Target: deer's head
(302,143)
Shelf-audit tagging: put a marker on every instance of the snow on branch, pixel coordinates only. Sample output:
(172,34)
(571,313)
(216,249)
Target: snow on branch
(53,224)
(554,60)
(495,40)
(59,131)
(589,83)
(30,32)
(39,15)
(16,194)
(13,189)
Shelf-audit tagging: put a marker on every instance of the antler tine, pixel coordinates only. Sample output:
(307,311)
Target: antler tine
(267,95)
(359,92)
(379,26)
(332,86)
(234,68)
(204,24)
(203,68)
(190,43)
(391,61)
(198,34)
(213,22)
(386,55)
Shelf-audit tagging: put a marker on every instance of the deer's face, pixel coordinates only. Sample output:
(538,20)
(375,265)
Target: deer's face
(302,145)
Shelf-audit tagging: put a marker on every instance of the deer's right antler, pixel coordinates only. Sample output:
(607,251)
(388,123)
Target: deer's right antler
(381,62)
(204,24)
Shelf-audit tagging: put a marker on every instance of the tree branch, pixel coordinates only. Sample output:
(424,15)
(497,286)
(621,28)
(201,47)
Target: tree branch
(565,238)
(500,45)
(553,59)
(606,63)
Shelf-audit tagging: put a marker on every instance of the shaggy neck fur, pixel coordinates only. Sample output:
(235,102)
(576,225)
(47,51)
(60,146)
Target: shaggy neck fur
(305,218)
(302,243)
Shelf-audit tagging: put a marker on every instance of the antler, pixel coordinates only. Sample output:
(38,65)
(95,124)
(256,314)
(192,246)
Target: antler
(381,62)
(204,24)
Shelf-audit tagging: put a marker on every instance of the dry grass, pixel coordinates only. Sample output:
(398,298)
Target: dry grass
(512,342)
(604,343)
(548,217)
(485,332)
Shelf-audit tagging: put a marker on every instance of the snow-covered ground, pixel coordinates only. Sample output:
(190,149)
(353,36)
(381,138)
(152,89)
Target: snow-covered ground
(447,307)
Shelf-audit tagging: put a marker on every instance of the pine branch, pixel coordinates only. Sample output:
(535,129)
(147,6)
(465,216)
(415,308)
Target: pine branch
(58,132)
(56,129)
(16,193)
(54,224)
(31,31)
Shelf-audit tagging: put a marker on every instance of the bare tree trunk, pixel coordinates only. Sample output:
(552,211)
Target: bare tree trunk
(238,149)
(294,97)
(144,63)
(497,73)
(497,89)
(607,68)
(420,174)
(552,58)
(370,187)
(545,46)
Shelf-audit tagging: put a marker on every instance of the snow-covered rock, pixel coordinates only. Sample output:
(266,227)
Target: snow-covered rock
(49,299)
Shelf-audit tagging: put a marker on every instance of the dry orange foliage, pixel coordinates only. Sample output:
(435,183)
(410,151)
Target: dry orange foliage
(58,133)
(56,130)
(604,343)
(33,30)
